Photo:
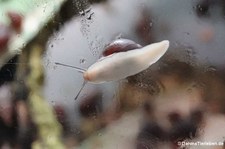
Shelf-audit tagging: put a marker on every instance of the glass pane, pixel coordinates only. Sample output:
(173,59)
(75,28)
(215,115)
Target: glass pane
(137,74)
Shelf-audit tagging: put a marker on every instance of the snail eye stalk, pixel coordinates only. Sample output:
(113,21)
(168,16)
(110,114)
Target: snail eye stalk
(82,87)
(82,70)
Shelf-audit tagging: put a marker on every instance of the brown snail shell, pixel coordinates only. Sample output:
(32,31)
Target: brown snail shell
(120,45)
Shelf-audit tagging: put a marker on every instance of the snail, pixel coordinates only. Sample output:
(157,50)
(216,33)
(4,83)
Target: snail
(122,58)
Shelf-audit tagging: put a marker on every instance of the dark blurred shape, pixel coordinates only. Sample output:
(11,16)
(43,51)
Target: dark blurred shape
(4,37)
(97,1)
(150,135)
(69,8)
(213,84)
(145,81)
(20,91)
(202,8)
(223,7)
(151,79)
(197,117)
(7,133)
(148,108)
(60,113)
(182,71)
(90,109)
(145,144)
(7,72)
(91,105)
(62,118)
(8,126)
(144,27)
(26,129)
(185,128)
(174,117)
(16,127)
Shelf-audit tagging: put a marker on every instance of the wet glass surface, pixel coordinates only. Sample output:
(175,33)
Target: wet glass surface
(176,102)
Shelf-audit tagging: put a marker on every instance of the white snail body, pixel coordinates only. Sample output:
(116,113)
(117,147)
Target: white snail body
(123,64)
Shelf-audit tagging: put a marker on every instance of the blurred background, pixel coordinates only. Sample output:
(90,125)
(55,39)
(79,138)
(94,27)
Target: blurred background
(179,98)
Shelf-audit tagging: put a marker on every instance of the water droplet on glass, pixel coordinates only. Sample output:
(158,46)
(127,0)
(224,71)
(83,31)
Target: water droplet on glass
(88,10)
(82,13)
(151,24)
(53,103)
(90,16)
(187,33)
(82,61)
(211,69)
